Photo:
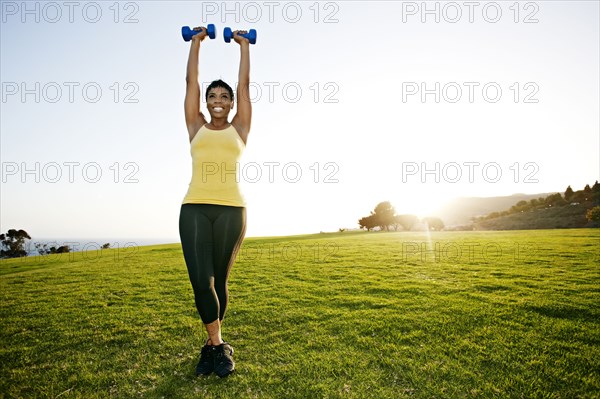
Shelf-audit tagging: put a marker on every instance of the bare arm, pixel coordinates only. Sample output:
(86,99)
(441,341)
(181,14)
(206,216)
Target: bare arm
(194,119)
(243,117)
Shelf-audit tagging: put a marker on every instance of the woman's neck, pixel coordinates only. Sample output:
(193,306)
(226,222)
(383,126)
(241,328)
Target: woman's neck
(218,123)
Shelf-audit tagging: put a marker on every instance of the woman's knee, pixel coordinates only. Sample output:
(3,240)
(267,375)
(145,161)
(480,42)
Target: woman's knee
(204,285)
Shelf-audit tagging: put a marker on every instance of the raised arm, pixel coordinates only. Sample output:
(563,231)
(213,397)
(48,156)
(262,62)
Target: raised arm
(194,119)
(242,119)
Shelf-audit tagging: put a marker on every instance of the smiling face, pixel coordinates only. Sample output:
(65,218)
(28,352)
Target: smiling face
(219,102)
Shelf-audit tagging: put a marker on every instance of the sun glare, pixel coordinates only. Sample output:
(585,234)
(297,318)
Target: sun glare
(421,204)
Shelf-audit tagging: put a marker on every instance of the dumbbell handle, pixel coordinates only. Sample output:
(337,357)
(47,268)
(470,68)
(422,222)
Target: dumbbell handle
(251,35)
(188,33)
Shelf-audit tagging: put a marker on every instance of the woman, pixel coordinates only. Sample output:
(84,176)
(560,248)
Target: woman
(212,220)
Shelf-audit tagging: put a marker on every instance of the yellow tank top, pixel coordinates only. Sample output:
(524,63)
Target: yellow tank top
(215,168)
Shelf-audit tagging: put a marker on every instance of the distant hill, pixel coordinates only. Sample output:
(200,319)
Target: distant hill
(560,217)
(460,211)
(525,212)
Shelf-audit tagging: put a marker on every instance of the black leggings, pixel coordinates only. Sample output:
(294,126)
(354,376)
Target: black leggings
(211,236)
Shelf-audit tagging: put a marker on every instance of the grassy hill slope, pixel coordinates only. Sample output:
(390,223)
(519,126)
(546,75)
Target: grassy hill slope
(564,217)
(345,315)
(460,211)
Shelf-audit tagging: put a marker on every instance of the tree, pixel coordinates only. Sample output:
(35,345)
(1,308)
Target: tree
(587,188)
(521,206)
(596,193)
(44,250)
(555,200)
(13,241)
(534,203)
(593,214)
(384,215)
(396,225)
(406,221)
(60,250)
(433,223)
(568,193)
(493,215)
(368,222)
(579,196)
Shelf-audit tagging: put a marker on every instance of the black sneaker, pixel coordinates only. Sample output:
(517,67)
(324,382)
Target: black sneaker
(205,365)
(223,362)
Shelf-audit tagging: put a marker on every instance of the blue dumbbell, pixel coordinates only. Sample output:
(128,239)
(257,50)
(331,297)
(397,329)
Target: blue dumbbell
(187,32)
(251,35)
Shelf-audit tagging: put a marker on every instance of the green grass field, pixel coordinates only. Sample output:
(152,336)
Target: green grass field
(347,315)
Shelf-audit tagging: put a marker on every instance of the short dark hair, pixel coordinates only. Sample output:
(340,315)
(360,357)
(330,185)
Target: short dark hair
(219,83)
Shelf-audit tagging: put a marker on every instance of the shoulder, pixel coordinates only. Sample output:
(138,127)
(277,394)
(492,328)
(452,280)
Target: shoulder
(194,129)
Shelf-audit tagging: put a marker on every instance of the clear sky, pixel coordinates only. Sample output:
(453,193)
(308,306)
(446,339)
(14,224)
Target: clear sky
(415,103)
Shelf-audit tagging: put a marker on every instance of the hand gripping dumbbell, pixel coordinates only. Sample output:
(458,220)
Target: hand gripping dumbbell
(251,35)
(187,32)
